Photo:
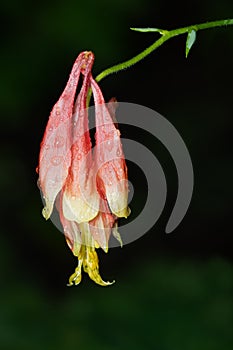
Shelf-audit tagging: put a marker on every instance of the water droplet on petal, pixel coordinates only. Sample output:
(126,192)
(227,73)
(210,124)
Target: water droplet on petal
(76,72)
(59,141)
(109,145)
(73,198)
(101,158)
(71,84)
(118,153)
(56,160)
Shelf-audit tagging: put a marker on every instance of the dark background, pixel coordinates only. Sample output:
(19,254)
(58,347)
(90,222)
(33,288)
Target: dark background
(172,291)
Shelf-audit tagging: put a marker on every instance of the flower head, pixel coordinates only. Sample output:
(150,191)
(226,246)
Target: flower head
(90,189)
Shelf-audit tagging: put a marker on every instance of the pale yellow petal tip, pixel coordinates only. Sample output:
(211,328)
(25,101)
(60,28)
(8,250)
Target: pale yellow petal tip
(98,280)
(48,208)
(46,212)
(117,235)
(97,246)
(76,277)
(105,249)
(124,213)
(108,283)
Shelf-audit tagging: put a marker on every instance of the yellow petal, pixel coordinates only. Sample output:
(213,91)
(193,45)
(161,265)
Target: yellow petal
(89,259)
(76,277)
(91,266)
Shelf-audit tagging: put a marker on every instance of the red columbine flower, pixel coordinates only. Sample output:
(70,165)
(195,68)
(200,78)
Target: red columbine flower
(90,190)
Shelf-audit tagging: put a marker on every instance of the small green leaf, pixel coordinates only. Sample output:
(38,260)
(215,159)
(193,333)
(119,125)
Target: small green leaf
(191,37)
(146,30)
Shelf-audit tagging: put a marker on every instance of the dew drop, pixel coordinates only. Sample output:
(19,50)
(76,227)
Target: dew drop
(109,145)
(79,156)
(118,153)
(56,160)
(76,72)
(72,83)
(73,198)
(59,141)
(101,158)
(50,128)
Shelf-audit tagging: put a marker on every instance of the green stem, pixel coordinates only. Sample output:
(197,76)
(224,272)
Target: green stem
(166,35)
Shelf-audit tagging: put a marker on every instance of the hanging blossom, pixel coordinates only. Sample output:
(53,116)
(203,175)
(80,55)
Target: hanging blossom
(88,187)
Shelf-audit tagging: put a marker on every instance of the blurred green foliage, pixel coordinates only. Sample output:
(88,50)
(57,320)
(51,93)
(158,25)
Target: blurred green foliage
(160,305)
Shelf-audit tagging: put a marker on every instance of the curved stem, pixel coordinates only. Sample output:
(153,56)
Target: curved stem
(165,36)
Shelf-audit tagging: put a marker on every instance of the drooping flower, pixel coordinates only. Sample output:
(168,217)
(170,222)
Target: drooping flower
(90,189)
